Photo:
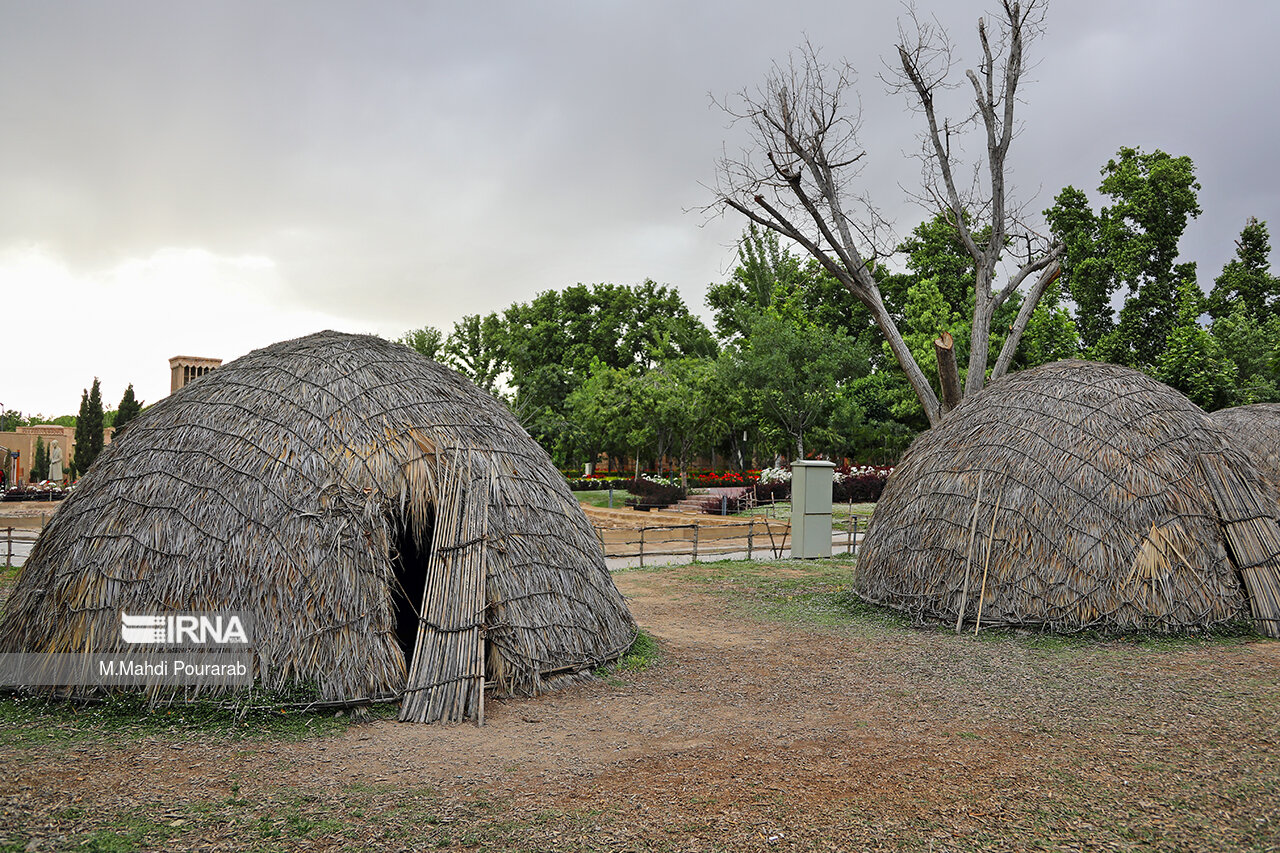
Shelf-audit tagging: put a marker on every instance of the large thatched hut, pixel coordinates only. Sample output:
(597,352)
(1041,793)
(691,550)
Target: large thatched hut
(390,528)
(1255,432)
(1076,495)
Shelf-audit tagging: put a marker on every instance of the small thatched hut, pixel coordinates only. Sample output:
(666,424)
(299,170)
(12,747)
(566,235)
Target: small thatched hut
(1255,432)
(390,528)
(1076,495)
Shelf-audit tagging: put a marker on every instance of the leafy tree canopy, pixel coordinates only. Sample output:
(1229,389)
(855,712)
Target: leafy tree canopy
(1132,244)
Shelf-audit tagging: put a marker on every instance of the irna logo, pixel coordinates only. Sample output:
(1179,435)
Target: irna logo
(183,629)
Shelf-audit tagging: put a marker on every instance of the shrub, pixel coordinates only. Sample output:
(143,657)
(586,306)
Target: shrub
(861,484)
(777,491)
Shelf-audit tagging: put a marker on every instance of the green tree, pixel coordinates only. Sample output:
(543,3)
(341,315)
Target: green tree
(427,341)
(767,275)
(792,372)
(1245,306)
(765,271)
(129,409)
(1130,244)
(551,343)
(1192,361)
(40,461)
(688,407)
(1254,349)
(1247,280)
(1052,334)
(89,428)
(474,349)
(612,413)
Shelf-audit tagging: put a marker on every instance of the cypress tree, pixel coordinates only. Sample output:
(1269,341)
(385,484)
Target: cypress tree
(40,461)
(89,428)
(129,409)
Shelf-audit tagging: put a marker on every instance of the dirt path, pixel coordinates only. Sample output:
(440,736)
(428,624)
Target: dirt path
(750,734)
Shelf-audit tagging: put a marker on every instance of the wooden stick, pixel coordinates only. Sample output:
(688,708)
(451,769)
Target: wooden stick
(987,564)
(773,547)
(968,555)
(849,545)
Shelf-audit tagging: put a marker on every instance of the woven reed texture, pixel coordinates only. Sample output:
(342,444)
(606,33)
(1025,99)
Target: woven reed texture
(277,485)
(1255,432)
(1109,501)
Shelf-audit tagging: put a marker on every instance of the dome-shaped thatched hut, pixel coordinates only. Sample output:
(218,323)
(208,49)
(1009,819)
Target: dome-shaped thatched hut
(1255,432)
(1076,495)
(389,528)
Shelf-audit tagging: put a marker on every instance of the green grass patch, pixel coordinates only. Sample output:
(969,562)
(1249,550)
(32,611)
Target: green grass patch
(639,656)
(642,654)
(600,497)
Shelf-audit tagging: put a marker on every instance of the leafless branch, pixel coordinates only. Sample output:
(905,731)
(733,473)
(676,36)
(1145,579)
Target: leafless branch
(797,175)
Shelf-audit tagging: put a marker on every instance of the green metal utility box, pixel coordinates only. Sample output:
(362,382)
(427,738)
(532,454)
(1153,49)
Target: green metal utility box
(811,508)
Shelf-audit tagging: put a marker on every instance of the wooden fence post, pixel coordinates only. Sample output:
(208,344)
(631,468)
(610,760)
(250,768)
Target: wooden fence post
(751,533)
(855,537)
(642,547)
(696,528)
(8,560)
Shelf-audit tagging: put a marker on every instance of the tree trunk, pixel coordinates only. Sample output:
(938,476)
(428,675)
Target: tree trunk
(919,382)
(980,340)
(1047,277)
(944,348)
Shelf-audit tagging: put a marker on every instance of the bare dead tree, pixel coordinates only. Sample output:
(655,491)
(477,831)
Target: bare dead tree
(797,178)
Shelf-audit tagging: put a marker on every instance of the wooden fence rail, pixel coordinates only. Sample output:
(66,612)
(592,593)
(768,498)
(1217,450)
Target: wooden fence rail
(757,537)
(16,544)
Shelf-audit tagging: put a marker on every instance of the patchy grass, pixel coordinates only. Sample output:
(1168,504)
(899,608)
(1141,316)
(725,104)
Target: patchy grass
(814,593)
(356,816)
(819,593)
(30,721)
(820,723)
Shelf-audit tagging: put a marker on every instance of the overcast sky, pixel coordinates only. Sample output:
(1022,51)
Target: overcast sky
(207,178)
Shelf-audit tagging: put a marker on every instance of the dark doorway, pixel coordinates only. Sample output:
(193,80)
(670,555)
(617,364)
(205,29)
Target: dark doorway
(409,563)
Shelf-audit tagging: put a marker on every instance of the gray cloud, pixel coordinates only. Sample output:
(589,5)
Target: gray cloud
(406,163)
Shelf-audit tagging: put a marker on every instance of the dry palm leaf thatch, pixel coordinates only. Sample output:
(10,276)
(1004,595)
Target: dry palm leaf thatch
(1110,501)
(1255,432)
(363,504)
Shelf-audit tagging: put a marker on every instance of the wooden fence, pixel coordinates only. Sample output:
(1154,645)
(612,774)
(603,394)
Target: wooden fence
(757,537)
(16,544)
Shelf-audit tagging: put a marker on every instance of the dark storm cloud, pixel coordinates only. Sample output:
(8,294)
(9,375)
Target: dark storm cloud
(407,163)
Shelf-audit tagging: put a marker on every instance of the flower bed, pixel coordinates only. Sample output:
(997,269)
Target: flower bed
(856,483)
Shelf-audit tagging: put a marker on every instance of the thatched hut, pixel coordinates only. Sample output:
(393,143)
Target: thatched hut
(1255,432)
(1076,495)
(391,529)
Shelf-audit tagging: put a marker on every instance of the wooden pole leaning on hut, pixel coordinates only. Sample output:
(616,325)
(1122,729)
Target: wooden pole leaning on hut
(944,349)
(968,555)
(481,582)
(446,678)
(987,563)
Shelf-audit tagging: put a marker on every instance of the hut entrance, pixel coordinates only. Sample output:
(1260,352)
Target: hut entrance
(446,678)
(410,568)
